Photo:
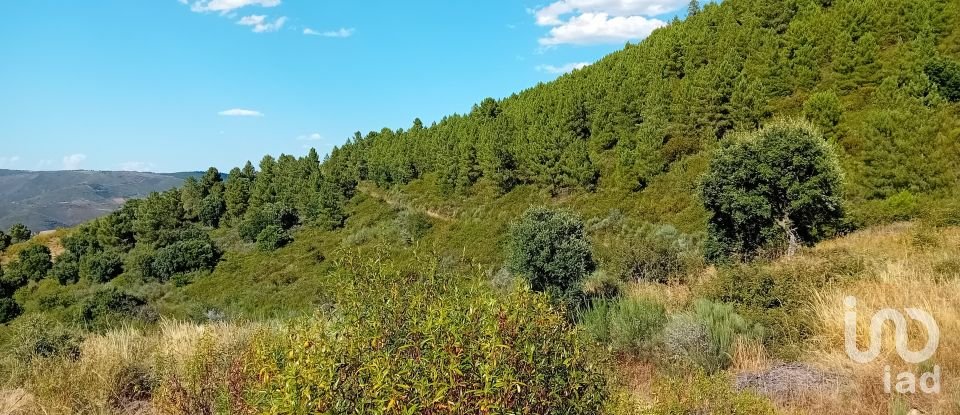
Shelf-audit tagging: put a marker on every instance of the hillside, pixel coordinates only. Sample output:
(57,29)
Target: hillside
(672,229)
(55,199)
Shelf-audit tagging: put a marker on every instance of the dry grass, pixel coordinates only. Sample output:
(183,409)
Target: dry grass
(52,239)
(128,370)
(903,269)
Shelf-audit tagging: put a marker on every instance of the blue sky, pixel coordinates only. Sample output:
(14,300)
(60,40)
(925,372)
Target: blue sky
(177,85)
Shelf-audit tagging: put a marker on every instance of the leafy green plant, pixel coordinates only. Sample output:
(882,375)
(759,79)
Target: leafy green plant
(704,394)
(101,267)
(551,249)
(272,238)
(777,187)
(415,344)
(626,325)
(412,225)
(725,327)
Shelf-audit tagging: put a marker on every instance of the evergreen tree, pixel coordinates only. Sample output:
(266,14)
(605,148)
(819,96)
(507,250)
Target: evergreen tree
(19,233)
(779,185)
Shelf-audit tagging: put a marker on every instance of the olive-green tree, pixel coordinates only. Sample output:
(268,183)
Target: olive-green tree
(780,185)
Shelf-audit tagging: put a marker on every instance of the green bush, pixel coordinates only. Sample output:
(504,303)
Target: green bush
(139,263)
(654,258)
(625,325)
(19,233)
(823,109)
(184,256)
(101,267)
(67,269)
(408,343)
(272,238)
(9,310)
(725,327)
(109,308)
(39,336)
(945,73)
(703,394)
(5,241)
(778,296)
(602,284)
(256,220)
(412,225)
(32,264)
(550,248)
(687,342)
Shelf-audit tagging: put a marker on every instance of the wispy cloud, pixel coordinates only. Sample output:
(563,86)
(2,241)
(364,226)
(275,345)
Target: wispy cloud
(569,67)
(73,161)
(310,137)
(260,24)
(8,161)
(240,112)
(226,6)
(136,166)
(340,33)
(583,22)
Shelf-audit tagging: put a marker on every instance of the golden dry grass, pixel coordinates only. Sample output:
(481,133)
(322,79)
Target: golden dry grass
(107,376)
(907,265)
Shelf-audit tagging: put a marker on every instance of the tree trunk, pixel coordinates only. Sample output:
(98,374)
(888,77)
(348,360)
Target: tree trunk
(793,240)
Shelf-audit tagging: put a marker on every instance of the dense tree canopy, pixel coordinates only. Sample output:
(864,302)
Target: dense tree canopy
(551,250)
(781,184)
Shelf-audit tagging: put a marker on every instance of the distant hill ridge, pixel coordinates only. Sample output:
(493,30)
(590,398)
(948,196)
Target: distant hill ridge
(45,200)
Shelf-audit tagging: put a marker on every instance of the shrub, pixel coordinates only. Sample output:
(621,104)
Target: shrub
(550,248)
(101,267)
(256,220)
(687,342)
(67,269)
(625,325)
(823,109)
(412,225)
(108,308)
(272,238)
(39,336)
(9,310)
(702,394)
(32,264)
(778,297)
(407,343)
(653,258)
(602,284)
(725,327)
(139,263)
(5,241)
(945,73)
(182,257)
(19,233)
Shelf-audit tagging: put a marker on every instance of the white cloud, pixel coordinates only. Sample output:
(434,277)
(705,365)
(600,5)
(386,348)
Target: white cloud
(240,112)
(136,166)
(310,137)
(73,161)
(8,161)
(342,32)
(260,23)
(227,6)
(584,22)
(569,67)
(591,28)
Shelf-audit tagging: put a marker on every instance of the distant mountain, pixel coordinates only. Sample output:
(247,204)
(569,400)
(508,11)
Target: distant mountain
(45,200)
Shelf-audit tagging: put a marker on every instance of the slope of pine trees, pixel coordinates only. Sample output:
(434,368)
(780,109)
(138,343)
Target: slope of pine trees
(879,79)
